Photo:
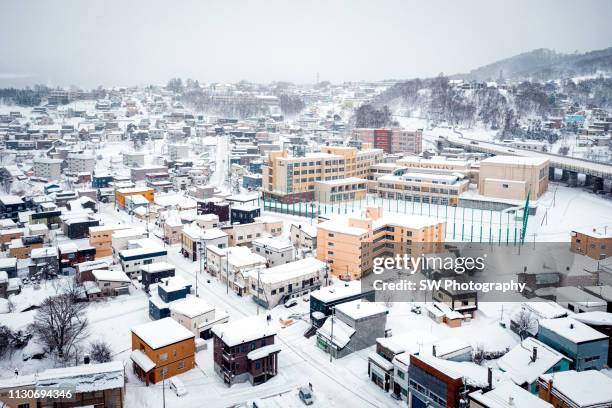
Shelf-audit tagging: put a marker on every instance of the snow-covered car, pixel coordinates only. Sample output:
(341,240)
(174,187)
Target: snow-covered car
(305,395)
(177,386)
(290,303)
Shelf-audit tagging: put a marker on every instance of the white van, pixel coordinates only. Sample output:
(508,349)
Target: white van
(177,386)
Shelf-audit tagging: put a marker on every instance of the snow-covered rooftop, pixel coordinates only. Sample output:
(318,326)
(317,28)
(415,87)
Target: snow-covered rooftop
(521,368)
(191,306)
(242,331)
(358,309)
(342,332)
(263,351)
(572,329)
(142,360)
(110,275)
(508,395)
(585,388)
(161,333)
(336,292)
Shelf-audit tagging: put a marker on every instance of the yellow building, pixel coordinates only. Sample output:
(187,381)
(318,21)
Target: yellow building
(293,178)
(513,177)
(348,244)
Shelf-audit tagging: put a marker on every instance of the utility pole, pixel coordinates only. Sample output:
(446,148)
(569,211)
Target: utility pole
(227,272)
(258,276)
(332,333)
(201,266)
(164,388)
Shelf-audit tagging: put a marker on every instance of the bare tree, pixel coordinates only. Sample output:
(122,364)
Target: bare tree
(69,286)
(525,324)
(60,324)
(100,351)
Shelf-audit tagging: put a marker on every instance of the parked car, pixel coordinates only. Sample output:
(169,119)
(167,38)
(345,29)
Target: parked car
(305,395)
(290,303)
(177,386)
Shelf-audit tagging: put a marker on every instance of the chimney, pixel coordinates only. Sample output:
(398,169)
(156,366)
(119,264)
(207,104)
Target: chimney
(433,350)
(166,282)
(571,325)
(549,391)
(510,401)
(534,354)
(490,378)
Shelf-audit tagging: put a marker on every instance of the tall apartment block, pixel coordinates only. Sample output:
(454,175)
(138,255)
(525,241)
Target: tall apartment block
(349,244)
(394,140)
(294,178)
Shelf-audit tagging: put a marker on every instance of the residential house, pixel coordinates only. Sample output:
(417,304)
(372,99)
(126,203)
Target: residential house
(9,265)
(356,325)
(587,347)
(244,350)
(173,229)
(155,272)
(84,269)
(323,301)
(275,285)
(576,389)
(101,238)
(506,395)
(167,291)
(197,315)
(578,300)
(304,236)
(231,264)
(111,282)
(530,359)
(275,251)
(11,206)
(133,259)
(244,214)
(44,262)
(596,244)
(108,389)
(21,248)
(438,383)
(161,349)
(600,321)
(194,240)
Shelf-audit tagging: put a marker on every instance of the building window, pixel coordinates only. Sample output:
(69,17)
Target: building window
(257,365)
(181,364)
(163,356)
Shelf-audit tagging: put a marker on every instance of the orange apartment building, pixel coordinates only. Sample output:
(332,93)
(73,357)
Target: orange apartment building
(596,244)
(122,193)
(101,238)
(294,178)
(162,349)
(348,244)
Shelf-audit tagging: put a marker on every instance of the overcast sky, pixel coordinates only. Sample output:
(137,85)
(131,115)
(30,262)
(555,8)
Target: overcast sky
(130,42)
